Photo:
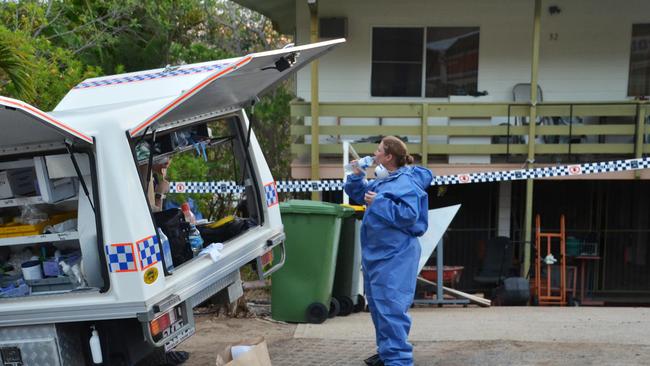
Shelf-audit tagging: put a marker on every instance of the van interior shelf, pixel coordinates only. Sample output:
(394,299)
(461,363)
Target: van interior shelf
(32,239)
(32,200)
(21,201)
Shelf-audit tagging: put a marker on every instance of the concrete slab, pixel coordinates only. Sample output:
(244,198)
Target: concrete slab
(629,326)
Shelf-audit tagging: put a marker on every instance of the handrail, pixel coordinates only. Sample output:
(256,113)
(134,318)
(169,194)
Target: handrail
(636,128)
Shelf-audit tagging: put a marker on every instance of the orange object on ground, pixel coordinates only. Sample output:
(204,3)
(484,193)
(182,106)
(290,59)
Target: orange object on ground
(450,274)
(548,293)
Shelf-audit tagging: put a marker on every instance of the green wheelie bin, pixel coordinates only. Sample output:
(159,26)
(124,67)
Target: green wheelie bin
(301,291)
(348,288)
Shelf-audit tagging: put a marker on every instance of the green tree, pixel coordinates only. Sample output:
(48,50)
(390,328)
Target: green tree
(15,67)
(52,45)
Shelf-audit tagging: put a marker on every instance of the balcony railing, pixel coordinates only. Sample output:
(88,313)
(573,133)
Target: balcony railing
(569,129)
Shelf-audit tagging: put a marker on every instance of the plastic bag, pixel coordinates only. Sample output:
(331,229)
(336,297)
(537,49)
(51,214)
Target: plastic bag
(31,215)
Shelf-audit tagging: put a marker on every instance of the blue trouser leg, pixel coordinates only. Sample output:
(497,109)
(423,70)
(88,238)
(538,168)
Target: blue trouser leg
(390,288)
(371,306)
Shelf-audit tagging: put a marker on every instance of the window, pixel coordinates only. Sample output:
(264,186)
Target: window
(450,62)
(639,78)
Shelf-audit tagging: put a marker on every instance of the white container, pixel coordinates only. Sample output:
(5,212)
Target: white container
(96,348)
(32,270)
(53,190)
(16,182)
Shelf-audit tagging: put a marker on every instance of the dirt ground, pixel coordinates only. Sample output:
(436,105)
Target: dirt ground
(214,333)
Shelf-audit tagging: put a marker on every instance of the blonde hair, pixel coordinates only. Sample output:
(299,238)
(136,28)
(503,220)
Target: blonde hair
(397,148)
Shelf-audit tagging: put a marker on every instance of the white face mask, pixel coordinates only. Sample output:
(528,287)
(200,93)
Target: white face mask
(381,172)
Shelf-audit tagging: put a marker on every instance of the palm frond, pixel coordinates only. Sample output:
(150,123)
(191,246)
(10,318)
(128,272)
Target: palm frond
(16,67)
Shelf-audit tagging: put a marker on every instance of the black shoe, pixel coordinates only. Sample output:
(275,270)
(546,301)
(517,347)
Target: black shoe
(176,357)
(374,360)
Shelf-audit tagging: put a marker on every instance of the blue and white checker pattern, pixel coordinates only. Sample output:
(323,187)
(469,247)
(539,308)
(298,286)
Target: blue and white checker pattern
(149,251)
(152,76)
(121,257)
(205,187)
(310,185)
(271,194)
(482,177)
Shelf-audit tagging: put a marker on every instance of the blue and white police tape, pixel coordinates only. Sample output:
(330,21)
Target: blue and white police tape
(482,177)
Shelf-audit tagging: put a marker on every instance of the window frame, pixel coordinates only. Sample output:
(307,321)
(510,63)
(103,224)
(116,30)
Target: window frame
(629,65)
(424,60)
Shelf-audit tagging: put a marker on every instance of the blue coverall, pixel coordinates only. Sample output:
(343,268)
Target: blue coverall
(391,252)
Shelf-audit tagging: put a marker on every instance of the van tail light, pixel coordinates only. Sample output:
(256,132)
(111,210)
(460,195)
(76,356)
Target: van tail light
(162,322)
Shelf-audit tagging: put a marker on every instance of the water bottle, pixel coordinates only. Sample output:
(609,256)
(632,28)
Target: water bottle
(196,241)
(362,164)
(167,251)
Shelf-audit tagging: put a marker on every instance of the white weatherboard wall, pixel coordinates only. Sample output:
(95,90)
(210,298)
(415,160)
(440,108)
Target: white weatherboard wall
(588,61)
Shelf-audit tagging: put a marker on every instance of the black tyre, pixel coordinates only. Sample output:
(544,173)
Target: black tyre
(347,306)
(361,304)
(316,313)
(335,308)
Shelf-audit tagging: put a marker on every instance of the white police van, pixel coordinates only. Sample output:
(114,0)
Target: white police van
(79,247)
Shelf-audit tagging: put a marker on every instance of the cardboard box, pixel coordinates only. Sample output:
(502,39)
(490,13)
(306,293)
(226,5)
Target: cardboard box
(17,182)
(256,355)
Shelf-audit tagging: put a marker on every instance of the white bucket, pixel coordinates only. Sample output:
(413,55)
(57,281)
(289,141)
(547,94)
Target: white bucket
(32,270)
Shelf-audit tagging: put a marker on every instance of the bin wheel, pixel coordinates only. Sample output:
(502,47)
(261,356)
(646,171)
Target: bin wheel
(316,313)
(347,306)
(335,308)
(361,304)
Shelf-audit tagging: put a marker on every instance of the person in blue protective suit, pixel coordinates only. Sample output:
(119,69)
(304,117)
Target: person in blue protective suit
(396,214)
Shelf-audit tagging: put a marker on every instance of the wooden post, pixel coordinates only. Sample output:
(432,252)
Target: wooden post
(640,133)
(425,134)
(315,134)
(528,217)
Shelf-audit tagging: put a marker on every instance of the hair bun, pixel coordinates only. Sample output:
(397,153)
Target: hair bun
(408,159)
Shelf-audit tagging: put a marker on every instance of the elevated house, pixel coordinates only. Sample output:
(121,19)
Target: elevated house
(453,78)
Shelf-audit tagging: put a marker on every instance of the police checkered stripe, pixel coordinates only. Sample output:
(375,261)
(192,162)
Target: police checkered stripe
(310,185)
(121,257)
(152,76)
(271,194)
(206,187)
(149,251)
(497,176)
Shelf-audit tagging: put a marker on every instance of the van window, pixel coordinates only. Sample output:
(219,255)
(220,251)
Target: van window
(207,152)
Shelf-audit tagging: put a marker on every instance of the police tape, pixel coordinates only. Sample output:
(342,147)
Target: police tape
(481,177)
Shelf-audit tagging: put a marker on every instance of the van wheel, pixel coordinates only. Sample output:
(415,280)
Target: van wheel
(316,313)
(335,308)
(347,306)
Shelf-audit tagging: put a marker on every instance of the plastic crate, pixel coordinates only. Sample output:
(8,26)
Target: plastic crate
(54,284)
(588,248)
(14,229)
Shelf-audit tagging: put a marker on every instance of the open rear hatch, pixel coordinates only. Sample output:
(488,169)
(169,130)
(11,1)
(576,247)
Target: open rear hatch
(25,128)
(44,164)
(234,86)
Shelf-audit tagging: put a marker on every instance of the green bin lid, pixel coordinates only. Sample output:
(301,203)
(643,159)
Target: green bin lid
(315,207)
